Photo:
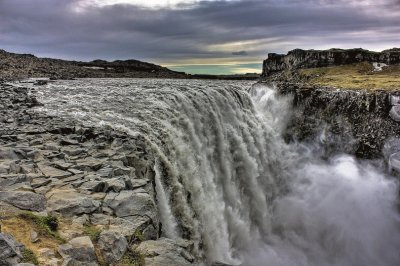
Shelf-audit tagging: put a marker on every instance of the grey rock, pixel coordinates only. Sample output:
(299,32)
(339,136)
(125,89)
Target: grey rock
(69,202)
(115,184)
(113,246)
(10,250)
(105,172)
(70,151)
(24,200)
(79,251)
(52,172)
(164,252)
(129,203)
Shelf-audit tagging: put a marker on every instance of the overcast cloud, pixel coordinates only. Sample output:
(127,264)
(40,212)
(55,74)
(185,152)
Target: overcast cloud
(237,33)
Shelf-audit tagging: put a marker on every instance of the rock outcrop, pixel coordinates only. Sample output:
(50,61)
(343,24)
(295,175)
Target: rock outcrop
(356,122)
(97,181)
(298,58)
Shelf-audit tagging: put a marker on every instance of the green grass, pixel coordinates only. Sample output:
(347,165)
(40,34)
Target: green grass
(132,258)
(46,225)
(29,257)
(92,232)
(354,76)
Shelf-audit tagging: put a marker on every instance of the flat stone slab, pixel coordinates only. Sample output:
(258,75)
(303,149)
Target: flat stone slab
(24,200)
(52,172)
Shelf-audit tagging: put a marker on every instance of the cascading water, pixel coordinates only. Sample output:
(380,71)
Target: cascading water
(226,179)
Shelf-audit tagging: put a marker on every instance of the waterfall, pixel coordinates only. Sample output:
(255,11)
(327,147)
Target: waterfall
(226,179)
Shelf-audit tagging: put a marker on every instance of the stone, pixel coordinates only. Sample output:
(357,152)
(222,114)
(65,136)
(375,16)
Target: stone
(10,250)
(66,141)
(69,202)
(88,165)
(70,151)
(34,237)
(113,246)
(52,172)
(105,172)
(164,252)
(79,251)
(24,200)
(115,184)
(62,165)
(40,182)
(94,186)
(129,203)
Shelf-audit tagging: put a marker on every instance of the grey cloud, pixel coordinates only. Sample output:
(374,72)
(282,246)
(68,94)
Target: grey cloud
(53,28)
(241,53)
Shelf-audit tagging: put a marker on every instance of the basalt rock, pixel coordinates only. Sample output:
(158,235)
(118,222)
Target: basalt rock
(352,121)
(299,58)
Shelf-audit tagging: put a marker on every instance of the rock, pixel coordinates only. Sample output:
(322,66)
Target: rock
(88,165)
(39,182)
(52,172)
(34,237)
(113,246)
(24,200)
(73,151)
(10,250)
(62,165)
(105,172)
(69,202)
(79,251)
(164,252)
(115,184)
(94,186)
(395,113)
(130,203)
(66,141)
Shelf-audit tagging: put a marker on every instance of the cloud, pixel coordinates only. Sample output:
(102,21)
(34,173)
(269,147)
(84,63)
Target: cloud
(198,32)
(241,53)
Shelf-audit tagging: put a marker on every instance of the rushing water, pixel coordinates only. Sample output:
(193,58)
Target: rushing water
(226,179)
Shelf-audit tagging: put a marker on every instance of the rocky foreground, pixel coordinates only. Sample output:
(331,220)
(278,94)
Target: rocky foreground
(74,195)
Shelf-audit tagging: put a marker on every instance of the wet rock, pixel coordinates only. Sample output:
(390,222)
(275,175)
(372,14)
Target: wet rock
(79,251)
(113,246)
(24,200)
(10,250)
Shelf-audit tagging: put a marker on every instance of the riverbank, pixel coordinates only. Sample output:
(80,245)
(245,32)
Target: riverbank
(76,195)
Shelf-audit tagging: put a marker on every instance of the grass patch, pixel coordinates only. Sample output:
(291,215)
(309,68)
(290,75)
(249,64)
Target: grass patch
(132,258)
(28,256)
(92,231)
(354,76)
(45,225)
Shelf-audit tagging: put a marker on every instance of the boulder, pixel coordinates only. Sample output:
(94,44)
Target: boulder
(24,200)
(10,250)
(69,202)
(130,203)
(113,246)
(79,251)
(164,251)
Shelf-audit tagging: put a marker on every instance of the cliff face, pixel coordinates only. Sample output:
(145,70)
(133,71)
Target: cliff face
(298,58)
(355,122)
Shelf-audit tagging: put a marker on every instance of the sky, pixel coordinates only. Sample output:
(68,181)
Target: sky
(207,37)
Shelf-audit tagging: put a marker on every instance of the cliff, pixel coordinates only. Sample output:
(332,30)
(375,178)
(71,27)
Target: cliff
(355,122)
(298,59)
(345,99)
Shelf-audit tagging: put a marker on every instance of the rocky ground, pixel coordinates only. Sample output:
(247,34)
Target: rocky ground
(75,195)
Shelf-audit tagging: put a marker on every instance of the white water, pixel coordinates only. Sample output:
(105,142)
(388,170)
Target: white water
(233,185)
